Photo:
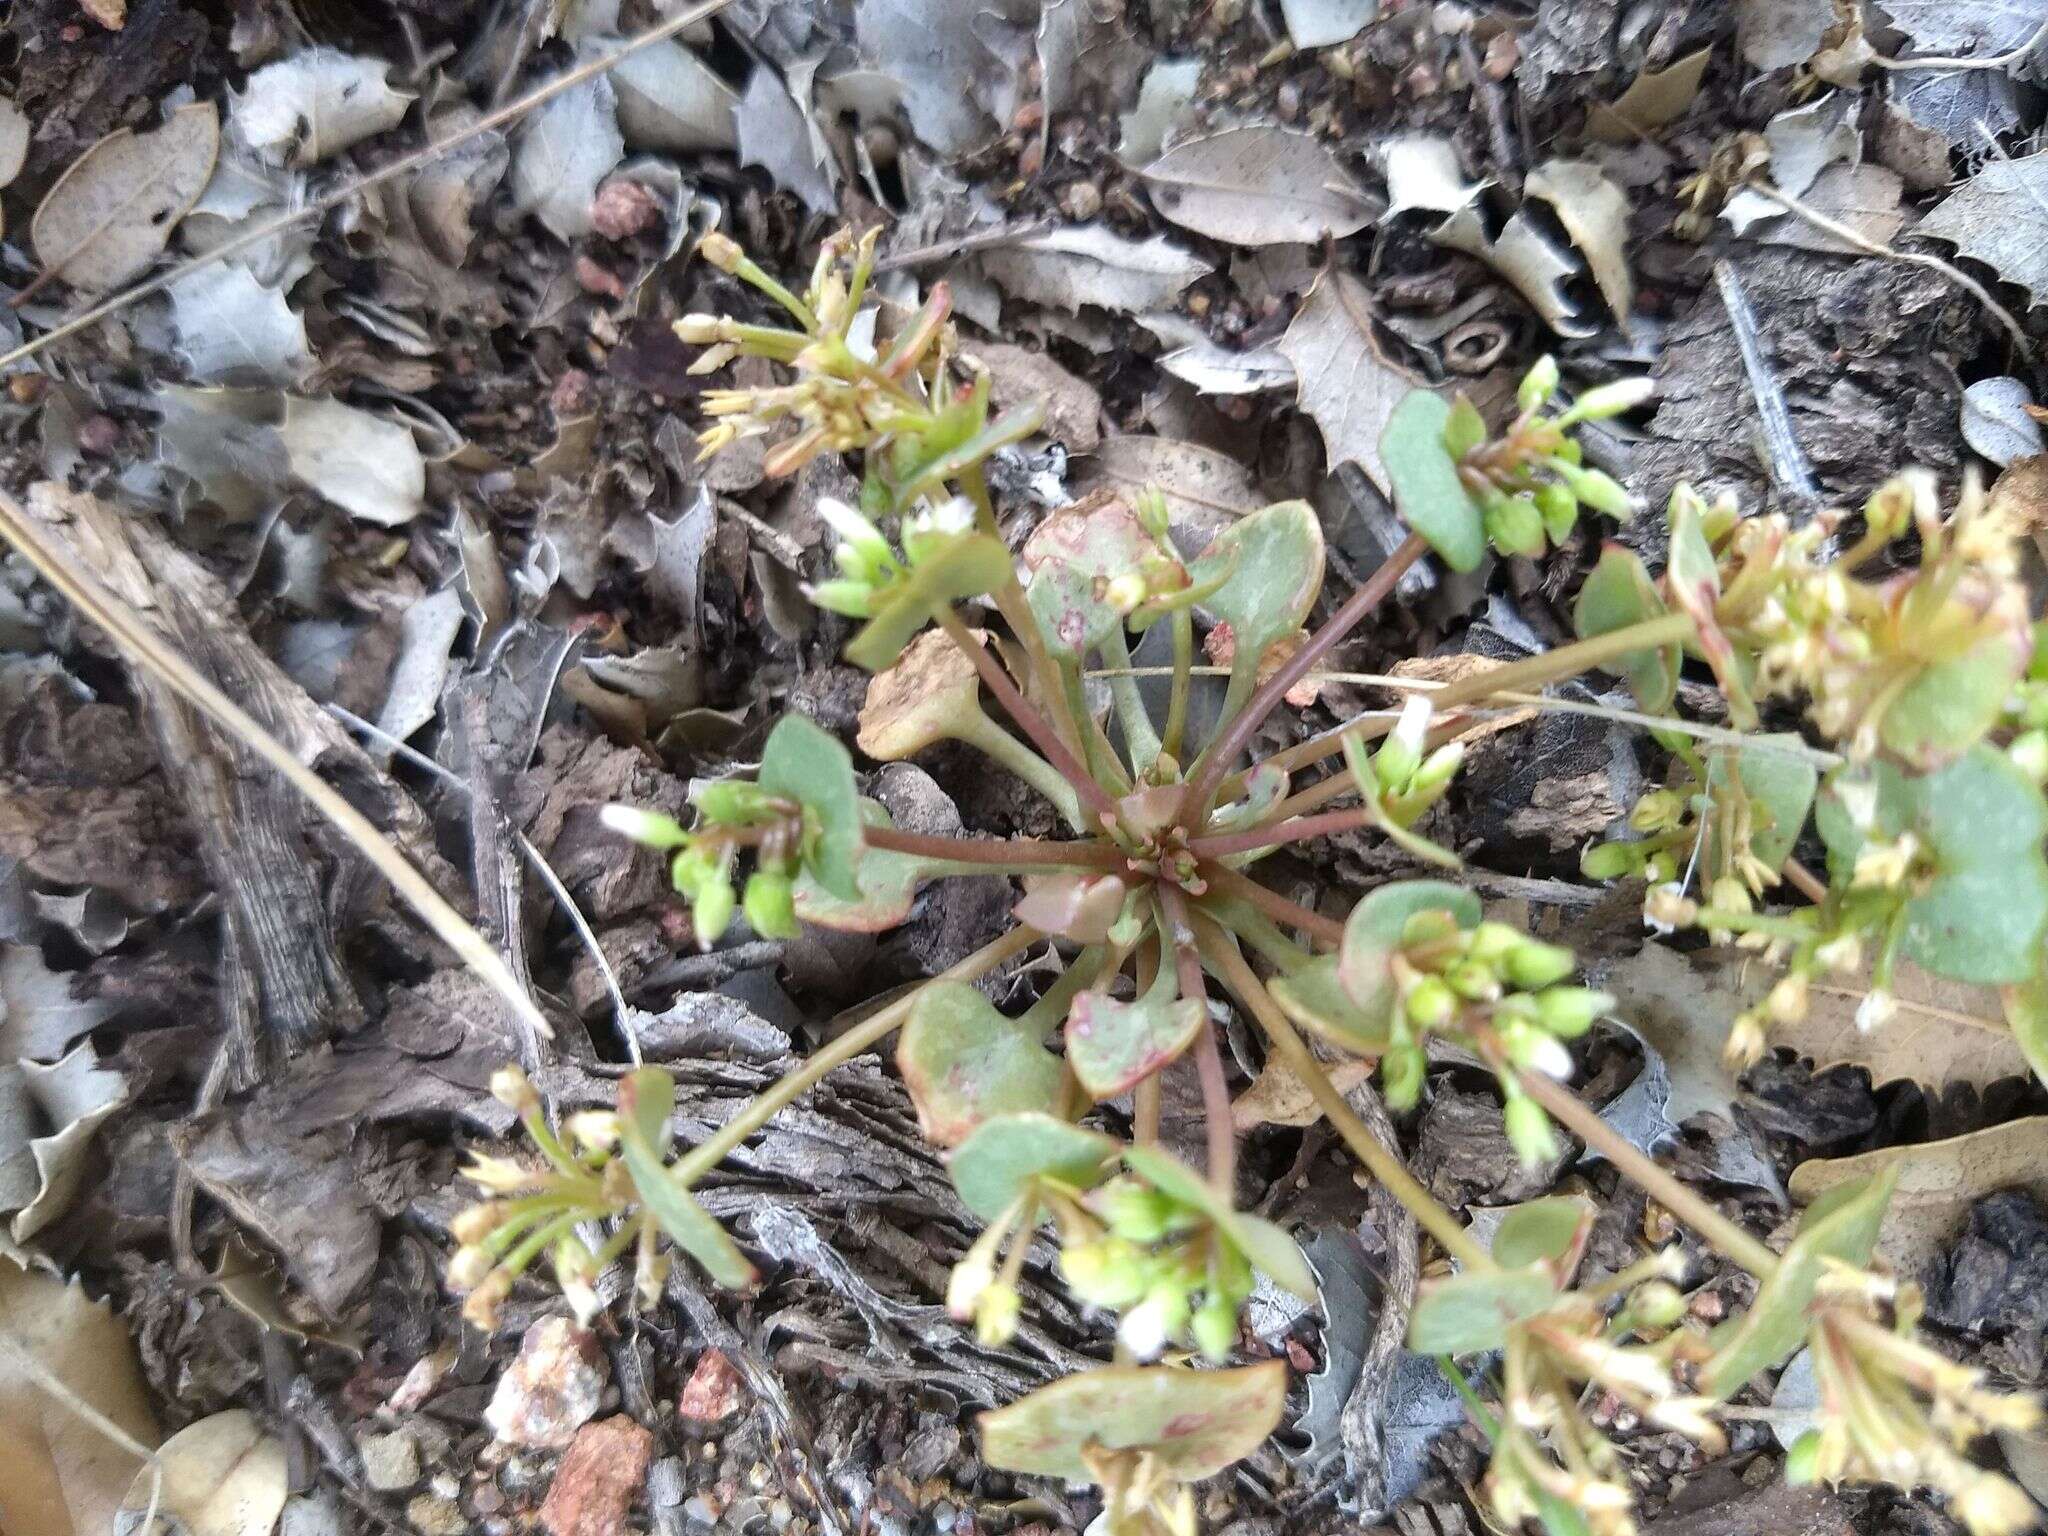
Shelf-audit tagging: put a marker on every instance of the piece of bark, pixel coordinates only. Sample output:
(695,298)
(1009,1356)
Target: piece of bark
(254,832)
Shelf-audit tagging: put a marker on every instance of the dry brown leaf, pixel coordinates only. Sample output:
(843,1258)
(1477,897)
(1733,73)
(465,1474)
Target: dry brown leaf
(222,1476)
(114,210)
(1456,668)
(1347,385)
(1278,1097)
(1205,491)
(1017,376)
(1944,1032)
(1259,184)
(930,690)
(1654,98)
(1938,1183)
(62,1476)
(2020,495)
(1594,212)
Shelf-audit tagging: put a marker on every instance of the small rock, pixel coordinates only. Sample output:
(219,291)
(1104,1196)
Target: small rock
(99,435)
(391,1462)
(598,1478)
(623,208)
(432,1515)
(712,1394)
(1080,200)
(571,394)
(422,1381)
(593,277)
(552,1388)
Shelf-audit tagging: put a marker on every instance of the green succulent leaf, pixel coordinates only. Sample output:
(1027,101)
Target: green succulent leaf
(965,1062)
(1842,1224)
(1195,1423)
(1113,1045)
(1618,593)
(804,763)
(1430,497)
(1780,787)
(2026,1011)
(1549,1232)
(1073,556)
(1982,915)
(993,1166)
(1949,707)
(1269,1248)
(1464,1314)
(1373,932)
(970,565)
(1276,560)
(646,1098)
(1313,997)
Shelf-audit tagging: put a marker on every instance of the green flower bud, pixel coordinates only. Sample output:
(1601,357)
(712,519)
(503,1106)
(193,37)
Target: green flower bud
(1535,964)
(1430,1004)
(1427,928)
(1514,526)
(1401,1072)
(1464,429)
(862,550)
(996,1314)
(770,905)
(1569,1012)
(1594,489)
(1538,384)
(1609,400)
(1529,1131)
(854,599)
(1559,509)
(1474,981)
(1138,1213)
(2029,754)
(1802,1462)
(1109,1272)
(1657,811)
(1656,1304)
(731,802)
(711,910)
(650,828)
(1492,942)
(1610,861)
(1151,510)
(1437,770)
(692,869)
(1215,1329)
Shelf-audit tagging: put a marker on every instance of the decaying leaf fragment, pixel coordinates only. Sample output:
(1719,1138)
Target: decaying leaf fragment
(1347,384)
(1257,185)
(113,211)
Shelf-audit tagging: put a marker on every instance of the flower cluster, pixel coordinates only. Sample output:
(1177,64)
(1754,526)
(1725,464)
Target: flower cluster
(732,814)
(1531,481)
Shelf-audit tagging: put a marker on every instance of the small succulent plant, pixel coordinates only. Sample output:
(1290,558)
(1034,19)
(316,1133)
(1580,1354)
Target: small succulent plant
(1925,686)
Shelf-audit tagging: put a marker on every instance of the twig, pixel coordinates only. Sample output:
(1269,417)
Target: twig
(1870,247)
(1956,61)
(1788,462)
(962,245)
(539,96)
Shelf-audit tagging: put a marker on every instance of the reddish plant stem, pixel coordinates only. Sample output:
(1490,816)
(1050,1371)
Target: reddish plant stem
(1326,931)
(1029,720)
(1179,932)
(1010,853)
(1224,750)
(1273,834)
(1804,881)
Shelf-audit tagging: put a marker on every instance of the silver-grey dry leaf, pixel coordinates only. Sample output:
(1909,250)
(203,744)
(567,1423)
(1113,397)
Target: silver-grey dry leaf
(1165,95)
(1205,490)
(1527,257)
(1085,44)
(929,48)
(563,152)
(365,465)
(776,134)
(1324,23)
(40,1015)
(1684,1012)
(316,103)
(1348,388)
(48,1114)
(114,209)
(234,330)
(1863,198)
(1594,212)
(1795,1401)
(1092,264)
(245,188)
(225,442)
(445,195)
(13,140)
(1803,142)
(1996,423)
(2000,217)
(669,99)
(1257,185)
(1964,105)
(1781,34)
(1073,407)
(426,635)
(1214,369)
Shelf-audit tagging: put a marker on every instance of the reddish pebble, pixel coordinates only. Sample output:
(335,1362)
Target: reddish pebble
(623,208)
(1300,1357)
(598,1479)
(593,278)
(571,394)
(99,435)
(712,1394)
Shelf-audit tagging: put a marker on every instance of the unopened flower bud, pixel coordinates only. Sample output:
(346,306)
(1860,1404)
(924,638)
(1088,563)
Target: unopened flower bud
(1844,952)
(1108,1273)
(1528,1130)
(1473,980)
(1215,1328)
(970,1278)
(721,251)
(1876,1009)
(1438,769)
(2029,754)
(995,1319)
(853,599)
(1786,1001)
(480,1307)
(771,905)
(477,1222)
(1534,964)
(593,1130)
(1658,811)
(1656,1304)
(1538,384)
(1558,508)
(1608,400)
(650,828)
(699,330)
(1401,753)
(729,802)
(1514,526)
(499,1174)
(1569,1012)
(711,912)
(1609,861)
(1666,909)
(1430,1004)
(1136,1213)
(466,1271)
(1148,1327)
(1594,489)
(1401,1073)
(1492,942)
(511,1088)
